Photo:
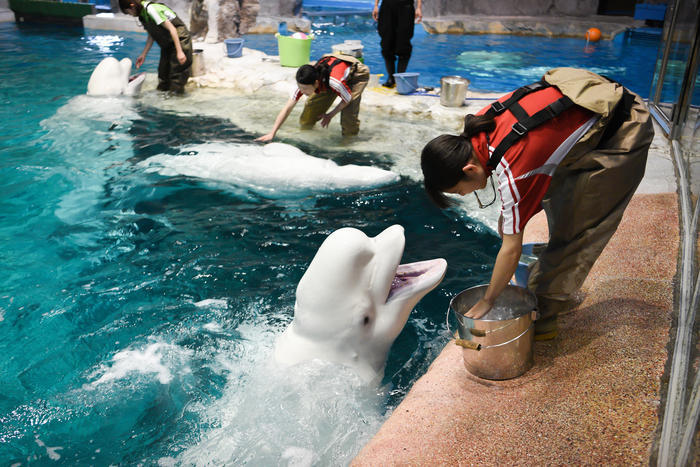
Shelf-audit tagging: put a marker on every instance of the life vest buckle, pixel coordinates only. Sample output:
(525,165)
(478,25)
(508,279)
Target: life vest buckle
(536,85)
(498,107)
(519,128)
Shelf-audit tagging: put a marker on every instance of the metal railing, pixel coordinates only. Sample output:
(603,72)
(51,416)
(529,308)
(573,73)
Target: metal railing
(674,104)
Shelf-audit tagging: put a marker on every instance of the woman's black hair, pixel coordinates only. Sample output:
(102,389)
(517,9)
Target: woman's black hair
(126,4)
(443,158)
(309,74)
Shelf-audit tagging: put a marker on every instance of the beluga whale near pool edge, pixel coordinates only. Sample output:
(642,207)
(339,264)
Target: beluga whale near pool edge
(111,78)
(354,299)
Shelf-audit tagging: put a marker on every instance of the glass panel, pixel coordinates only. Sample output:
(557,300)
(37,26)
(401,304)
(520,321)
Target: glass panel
(671,74)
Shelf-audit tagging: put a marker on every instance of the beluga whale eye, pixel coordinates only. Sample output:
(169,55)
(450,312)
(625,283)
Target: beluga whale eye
(365,321)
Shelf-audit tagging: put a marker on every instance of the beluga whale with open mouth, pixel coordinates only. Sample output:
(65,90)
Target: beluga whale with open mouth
(111,78)
(354,299)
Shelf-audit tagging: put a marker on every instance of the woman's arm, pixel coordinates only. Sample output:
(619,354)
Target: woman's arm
(281,117)
(419,11)
(326,118)
(506,264)
(375,11)
(141,58)
(181,57)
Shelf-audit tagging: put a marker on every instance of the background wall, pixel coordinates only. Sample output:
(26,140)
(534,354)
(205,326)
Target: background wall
(433,8)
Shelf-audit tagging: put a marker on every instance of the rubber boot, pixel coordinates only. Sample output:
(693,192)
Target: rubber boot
(402,65)
(390,83)
(546,328)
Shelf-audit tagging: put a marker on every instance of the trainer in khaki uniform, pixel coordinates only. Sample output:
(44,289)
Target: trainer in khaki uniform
(332,76)
(574,144)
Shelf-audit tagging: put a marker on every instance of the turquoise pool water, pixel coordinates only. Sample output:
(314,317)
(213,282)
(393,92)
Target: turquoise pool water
(138,311)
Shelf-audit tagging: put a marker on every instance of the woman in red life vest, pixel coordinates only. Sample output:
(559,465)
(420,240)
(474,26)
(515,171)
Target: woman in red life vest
(574,144)
(332,76)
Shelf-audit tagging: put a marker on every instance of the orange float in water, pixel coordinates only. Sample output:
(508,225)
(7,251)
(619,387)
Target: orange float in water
(593,35)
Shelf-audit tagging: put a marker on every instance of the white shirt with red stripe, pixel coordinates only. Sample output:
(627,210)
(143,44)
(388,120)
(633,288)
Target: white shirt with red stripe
(338,81)
(525,170)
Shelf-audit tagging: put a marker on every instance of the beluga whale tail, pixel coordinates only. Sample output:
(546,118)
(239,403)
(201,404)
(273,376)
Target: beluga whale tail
(354,299)
(111,78)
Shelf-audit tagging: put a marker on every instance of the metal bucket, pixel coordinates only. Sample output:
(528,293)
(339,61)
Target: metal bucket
(499,344)
(453,90)
(198,62)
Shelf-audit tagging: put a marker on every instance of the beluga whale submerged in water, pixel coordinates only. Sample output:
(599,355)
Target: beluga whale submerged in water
(111,78)
(354,300)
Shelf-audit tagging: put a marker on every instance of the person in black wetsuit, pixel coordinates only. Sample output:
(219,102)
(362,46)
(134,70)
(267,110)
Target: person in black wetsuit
(396,19)
(167,29)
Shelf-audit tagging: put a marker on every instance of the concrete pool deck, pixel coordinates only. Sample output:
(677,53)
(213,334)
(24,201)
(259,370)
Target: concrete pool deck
(595,393)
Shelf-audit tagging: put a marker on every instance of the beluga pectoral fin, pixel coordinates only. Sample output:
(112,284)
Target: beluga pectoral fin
(354,299)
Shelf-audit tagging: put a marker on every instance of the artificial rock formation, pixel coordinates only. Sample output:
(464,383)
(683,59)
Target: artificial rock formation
(216,20)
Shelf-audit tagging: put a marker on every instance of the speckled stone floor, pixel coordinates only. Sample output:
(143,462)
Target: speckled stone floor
(593,395)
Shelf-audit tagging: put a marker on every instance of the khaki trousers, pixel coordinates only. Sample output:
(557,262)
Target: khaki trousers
(584,205)
(317,104)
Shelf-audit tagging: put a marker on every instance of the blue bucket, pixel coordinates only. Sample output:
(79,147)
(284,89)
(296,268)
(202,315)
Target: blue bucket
(406,83)
(234,47)
(522,273)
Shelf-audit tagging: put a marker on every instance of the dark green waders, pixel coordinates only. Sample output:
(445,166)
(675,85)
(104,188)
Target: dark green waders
(590,189)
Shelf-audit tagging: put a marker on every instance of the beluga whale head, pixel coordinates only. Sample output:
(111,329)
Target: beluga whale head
(354,299)
(111,78)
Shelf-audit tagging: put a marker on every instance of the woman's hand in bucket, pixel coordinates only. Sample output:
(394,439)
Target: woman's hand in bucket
(479,309)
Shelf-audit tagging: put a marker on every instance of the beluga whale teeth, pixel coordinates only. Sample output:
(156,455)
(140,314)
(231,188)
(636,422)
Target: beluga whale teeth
(354,299)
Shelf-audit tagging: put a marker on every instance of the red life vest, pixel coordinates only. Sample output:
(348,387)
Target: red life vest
(536,126)
(339,73)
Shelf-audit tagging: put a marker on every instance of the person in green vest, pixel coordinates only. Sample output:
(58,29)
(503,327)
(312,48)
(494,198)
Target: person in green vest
(167,29)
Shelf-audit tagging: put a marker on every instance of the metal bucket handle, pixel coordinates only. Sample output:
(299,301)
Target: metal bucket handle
(467,344)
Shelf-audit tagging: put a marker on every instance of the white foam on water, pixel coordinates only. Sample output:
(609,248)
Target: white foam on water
(213,327)
(167,462)
(100,124)
(212,303)
(145,361)
(298,457)
(311,414)
(50,451)
(275,170)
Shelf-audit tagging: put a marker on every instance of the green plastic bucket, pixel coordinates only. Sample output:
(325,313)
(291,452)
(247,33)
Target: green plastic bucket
(294,52)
